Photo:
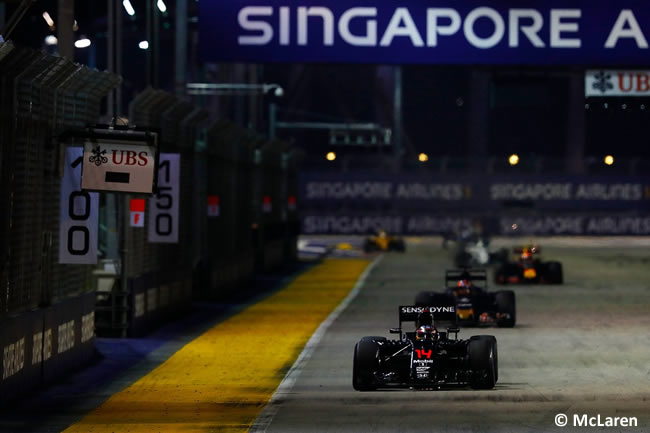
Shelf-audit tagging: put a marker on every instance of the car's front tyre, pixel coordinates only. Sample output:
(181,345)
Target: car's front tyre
(483,362)
(365,364)
(505,302)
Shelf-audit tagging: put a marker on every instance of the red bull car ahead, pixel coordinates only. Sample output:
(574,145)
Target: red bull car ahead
(528,267)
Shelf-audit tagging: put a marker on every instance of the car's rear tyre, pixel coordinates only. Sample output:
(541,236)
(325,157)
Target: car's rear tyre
(505,302)
(506,271)
(554,273)
(365,364)
(369,246)
(483,362)
(397,245)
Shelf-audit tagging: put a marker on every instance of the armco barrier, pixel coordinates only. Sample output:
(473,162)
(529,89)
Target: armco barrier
(41,346)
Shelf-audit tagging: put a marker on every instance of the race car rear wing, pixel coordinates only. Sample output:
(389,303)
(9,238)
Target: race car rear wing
(533,249)
(475,275)
(443,315)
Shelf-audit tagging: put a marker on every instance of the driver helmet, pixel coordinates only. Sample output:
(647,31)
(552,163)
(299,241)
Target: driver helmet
(463,287)
(426,332)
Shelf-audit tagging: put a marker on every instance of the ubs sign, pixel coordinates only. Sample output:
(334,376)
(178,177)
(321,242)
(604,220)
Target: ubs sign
(118,166)
(617,83)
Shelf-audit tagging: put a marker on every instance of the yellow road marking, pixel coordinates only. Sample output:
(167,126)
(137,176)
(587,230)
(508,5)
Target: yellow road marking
(222,380)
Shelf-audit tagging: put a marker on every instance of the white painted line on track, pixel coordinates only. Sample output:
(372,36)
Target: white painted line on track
(271,409)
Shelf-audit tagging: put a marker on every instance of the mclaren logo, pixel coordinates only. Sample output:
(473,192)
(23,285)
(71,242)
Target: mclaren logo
(418,310)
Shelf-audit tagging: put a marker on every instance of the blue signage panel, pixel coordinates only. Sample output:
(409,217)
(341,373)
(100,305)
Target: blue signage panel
(440,223)
(435,192)
(542,32)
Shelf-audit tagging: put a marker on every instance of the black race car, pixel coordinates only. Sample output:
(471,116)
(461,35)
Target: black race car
(427,358)
(529,268)
(474,304)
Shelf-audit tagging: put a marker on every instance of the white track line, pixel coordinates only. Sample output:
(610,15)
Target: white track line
(264,419)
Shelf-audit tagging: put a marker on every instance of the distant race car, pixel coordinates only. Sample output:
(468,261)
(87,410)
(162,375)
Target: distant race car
(382,241)
(475,306)
(426,358)
(529,268)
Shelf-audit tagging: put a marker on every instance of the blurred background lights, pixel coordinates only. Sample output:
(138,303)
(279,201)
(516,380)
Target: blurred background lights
(82,43)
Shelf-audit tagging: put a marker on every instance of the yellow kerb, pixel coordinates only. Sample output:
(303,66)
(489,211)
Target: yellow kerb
(222,380)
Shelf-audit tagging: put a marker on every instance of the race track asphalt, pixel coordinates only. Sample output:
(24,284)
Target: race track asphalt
(579,348)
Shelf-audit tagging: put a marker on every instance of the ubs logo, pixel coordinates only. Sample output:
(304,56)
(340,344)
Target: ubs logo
(118,157)
(98,157)
(603,82)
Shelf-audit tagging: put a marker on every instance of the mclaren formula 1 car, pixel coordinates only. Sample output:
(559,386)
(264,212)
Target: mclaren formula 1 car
(427,358)
(474,304)
(382,241)
(529,268)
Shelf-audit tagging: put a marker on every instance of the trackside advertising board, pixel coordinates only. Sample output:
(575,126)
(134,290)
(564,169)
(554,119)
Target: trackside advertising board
(356,203)
(540,32)
(606,83)
(444,222)
(430,193)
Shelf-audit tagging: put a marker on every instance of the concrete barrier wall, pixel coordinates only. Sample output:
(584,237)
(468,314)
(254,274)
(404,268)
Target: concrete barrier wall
(156,298)
(40,346)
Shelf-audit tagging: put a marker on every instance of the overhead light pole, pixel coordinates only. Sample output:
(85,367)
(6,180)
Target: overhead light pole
(241,89)
(114,62)
(65,34)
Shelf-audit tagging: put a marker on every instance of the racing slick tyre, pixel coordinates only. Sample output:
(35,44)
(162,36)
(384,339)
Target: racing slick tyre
(505,272)
(365,363)
(505,302)
(397,245)
(425,299)
(553,273)
(483,361)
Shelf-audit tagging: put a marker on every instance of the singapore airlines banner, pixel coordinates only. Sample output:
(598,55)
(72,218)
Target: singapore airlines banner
(430,193)
(354,203)
(590,32)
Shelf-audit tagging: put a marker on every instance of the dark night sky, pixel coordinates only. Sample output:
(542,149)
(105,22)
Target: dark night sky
(528,108)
